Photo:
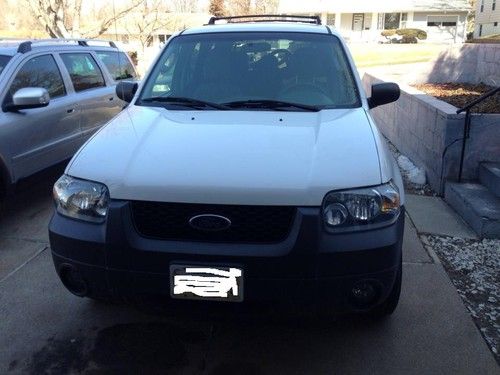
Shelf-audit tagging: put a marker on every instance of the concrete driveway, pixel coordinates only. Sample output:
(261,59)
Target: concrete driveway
(45,329)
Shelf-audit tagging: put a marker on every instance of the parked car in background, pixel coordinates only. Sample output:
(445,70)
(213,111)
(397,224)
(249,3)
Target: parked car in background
(54,95)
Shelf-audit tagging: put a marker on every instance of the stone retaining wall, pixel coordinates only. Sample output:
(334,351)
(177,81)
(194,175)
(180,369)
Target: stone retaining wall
(467,63)
(423,128)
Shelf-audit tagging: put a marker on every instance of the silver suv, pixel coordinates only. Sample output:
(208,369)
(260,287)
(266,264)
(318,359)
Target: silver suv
(54,95)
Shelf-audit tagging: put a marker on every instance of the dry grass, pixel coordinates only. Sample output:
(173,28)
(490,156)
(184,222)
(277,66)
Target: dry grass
(389,54)
(459,94)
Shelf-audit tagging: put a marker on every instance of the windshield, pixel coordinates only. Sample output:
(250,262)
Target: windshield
(3,62)
(252,70)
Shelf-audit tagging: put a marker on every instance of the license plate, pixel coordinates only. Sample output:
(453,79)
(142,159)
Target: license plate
(206,282)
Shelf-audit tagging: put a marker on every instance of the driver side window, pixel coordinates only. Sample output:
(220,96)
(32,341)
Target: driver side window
(40,71)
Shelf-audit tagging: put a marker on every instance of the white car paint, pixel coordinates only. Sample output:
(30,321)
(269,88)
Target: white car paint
(238,157)
(231,157)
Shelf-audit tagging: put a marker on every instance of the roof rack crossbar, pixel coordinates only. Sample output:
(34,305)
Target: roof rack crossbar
(26,45)
(271,18)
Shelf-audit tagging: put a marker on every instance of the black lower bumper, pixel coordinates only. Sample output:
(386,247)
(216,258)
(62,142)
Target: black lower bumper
(310,266)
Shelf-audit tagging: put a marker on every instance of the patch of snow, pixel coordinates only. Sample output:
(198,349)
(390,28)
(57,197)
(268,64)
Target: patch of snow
(415,174)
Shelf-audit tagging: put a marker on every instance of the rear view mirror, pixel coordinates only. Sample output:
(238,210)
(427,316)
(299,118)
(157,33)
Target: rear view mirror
(383,93)
(28,97)
(125,90)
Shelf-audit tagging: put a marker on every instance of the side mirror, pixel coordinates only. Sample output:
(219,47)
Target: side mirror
(125,90)
(28,97)
(383,93)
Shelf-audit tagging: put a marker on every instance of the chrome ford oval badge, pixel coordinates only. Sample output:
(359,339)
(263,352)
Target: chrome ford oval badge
(210,222)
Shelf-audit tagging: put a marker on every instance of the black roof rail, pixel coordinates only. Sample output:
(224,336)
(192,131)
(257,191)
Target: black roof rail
(316,20)
(26,45)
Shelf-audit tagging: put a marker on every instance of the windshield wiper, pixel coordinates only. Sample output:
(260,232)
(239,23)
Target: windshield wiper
(181,101)
(270,104)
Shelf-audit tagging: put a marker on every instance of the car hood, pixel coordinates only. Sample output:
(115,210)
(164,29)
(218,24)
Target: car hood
(230,157)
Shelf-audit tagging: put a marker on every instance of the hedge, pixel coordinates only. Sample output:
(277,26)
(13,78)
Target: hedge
(408,33)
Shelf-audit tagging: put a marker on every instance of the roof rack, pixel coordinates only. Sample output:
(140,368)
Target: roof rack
(316,20)
(26,45)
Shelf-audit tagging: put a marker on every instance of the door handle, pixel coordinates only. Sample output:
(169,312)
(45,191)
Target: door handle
(70,110)
(111,99)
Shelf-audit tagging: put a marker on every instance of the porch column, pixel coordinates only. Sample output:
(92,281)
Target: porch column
(324,18)
(337,20)
(373,26)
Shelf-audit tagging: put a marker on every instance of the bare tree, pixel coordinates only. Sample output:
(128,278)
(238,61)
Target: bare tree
(184,6)
(216,8)
(62,18)
(266,6)
(146,21)
(238,7)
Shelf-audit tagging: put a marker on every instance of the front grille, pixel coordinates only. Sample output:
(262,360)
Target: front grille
(249,224)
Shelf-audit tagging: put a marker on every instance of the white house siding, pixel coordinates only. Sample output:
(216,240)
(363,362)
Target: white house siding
(442,33)
(416,10)
(486,19)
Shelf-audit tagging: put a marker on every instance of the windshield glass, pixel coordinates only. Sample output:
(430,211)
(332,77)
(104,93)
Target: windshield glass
(240,69)
(3,62)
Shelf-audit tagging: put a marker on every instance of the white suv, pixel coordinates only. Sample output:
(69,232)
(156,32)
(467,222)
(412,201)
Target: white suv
(246,168)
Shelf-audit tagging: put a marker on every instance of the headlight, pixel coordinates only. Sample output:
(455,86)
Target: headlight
(81,199)
(361,209)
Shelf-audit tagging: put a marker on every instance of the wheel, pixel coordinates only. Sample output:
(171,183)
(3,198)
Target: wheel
(390,304)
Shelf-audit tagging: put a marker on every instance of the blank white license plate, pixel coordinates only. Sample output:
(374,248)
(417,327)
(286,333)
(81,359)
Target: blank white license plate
(206,282)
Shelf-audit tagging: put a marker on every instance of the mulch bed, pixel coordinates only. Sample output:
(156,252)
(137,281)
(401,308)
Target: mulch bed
(459,94)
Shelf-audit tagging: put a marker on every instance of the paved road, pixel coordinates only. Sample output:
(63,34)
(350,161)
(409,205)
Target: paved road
(44,329)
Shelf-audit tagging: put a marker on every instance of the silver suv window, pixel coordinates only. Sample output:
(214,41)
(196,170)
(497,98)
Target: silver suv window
(3,62)
(241,68)
(83,70)
(117,64)
(40,71)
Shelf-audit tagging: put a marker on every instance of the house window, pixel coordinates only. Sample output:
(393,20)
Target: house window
(494,5)
(330,19)
(480,30)
(482,5)
(495,24)
(440,21)
(391,20)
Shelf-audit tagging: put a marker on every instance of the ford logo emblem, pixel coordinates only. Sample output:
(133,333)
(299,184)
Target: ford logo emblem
(209,222)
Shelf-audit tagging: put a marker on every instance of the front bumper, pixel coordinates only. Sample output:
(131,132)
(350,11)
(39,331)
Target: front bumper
(309,266)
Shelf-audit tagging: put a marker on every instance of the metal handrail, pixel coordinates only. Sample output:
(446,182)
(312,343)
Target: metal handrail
(466,131)
(272,17)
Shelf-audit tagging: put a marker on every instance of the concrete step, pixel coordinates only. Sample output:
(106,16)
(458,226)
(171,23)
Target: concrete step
(489,176)
(478,206)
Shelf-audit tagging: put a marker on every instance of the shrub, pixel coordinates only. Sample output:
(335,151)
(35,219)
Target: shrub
(412,33)
(388,33)
(408,35)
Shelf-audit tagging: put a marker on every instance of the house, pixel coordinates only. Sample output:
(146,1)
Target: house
(487,18)
(362,20)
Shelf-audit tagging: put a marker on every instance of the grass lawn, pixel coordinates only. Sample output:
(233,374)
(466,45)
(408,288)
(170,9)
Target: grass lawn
(388,54)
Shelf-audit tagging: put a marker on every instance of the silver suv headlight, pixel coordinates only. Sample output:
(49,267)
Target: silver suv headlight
(81,199)
(361,209)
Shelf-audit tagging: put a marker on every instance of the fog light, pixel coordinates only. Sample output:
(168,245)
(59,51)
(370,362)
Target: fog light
(335,214)
(364,294)
(73,280)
